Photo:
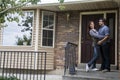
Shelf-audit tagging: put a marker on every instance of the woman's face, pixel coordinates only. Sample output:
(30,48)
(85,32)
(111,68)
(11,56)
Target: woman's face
(92,25)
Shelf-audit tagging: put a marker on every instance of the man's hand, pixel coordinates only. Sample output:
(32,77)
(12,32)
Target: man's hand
(99,42)
(104,39)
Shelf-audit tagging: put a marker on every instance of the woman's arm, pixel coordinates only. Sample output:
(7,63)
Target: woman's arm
(96,35)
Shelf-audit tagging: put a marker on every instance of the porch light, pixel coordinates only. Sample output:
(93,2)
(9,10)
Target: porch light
(68,16)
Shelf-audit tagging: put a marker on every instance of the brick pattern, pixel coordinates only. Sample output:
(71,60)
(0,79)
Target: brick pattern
(67,30)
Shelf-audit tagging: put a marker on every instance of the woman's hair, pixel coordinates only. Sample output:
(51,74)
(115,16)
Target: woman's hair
(89,24)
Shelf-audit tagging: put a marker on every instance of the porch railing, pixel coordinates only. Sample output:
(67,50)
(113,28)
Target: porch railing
(70,58)
(24,65)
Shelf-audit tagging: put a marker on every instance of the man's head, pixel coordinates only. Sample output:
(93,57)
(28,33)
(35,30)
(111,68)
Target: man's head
(102,21)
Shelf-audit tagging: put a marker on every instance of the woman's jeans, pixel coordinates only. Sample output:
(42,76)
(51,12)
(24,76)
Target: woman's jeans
(92,62)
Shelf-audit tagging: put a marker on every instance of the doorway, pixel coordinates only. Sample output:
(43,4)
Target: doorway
(86,49)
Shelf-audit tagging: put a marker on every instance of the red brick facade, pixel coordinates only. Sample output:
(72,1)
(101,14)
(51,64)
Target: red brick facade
(67,30)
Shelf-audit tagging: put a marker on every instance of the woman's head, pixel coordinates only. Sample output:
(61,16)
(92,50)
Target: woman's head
(91,25)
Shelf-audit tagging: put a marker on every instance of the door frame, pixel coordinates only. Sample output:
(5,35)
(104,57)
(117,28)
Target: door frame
(80,31)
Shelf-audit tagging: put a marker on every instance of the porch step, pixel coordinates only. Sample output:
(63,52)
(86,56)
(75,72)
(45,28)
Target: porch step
(81,74)
(82,66)
(81,77)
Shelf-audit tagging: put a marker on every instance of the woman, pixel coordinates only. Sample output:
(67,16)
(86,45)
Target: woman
(94,34)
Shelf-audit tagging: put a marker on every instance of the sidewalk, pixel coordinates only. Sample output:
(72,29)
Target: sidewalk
(81,74)
(53,77)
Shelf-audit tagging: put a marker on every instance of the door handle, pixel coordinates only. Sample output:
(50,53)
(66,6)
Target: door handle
(82,40)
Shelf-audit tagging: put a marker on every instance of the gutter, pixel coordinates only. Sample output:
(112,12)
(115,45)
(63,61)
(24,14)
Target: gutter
(65,3)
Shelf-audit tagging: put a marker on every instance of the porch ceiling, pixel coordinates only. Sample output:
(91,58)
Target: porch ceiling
(78,5)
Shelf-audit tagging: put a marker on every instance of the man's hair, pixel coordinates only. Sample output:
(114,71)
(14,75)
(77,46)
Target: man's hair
(103,20)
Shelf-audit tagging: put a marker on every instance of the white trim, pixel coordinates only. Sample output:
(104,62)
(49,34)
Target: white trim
(1,36)
(37,30)
(116,39)
(80,34)
(36,38)
(54,30)
(80,30)
(65,3)
(48,29)
(41,28)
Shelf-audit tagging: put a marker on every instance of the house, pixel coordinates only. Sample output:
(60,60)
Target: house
(53,27)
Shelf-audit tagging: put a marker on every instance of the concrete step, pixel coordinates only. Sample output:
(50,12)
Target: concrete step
(81,74)
(82,66)
(81,77)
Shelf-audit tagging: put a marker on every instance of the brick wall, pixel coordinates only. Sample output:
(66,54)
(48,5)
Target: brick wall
(66,31)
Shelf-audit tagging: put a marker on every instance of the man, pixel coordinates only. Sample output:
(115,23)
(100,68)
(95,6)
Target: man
(104,46)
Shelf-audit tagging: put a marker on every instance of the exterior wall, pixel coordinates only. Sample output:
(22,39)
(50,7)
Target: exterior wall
(36,34)
(67,30)
(18,48)
(49,50)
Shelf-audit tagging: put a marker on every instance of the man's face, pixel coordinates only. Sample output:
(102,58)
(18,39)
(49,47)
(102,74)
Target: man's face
(101,22)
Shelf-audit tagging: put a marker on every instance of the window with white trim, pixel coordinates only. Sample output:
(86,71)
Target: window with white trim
(19,33)
(48,23)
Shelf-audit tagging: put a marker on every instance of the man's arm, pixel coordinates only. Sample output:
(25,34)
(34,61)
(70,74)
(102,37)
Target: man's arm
(103,40)
(107,33)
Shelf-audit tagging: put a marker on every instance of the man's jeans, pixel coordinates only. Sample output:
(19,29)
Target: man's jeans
(105,54)
(92,62)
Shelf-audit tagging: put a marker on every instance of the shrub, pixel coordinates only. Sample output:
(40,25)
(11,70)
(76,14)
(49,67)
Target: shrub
(8,78)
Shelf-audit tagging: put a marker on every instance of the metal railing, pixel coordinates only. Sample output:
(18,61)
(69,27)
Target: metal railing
(70,58)
(24,65)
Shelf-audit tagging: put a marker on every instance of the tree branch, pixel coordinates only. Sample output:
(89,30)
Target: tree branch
(13,8)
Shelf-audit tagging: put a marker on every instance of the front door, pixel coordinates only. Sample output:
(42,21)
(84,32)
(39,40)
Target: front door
(86,41)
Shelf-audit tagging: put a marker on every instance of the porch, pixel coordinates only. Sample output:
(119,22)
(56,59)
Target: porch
(81,74)
(73,72)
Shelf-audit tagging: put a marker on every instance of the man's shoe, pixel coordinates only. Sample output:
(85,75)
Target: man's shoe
(94,69)
(87,68)
(105,70)
(100,69)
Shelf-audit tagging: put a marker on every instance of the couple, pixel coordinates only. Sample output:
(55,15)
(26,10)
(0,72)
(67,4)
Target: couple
(100,46)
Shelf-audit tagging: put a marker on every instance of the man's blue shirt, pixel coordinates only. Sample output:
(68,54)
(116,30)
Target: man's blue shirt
(104,31)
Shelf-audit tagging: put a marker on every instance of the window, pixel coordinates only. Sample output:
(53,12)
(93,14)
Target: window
(19,33)
(48,23)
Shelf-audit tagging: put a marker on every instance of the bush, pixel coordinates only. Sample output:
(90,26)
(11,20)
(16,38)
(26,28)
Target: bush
(9,78)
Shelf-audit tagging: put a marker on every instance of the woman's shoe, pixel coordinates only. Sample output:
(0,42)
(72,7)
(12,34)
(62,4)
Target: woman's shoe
(94,69)
(87,68)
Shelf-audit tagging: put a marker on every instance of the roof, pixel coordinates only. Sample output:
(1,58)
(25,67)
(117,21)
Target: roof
(77,5)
